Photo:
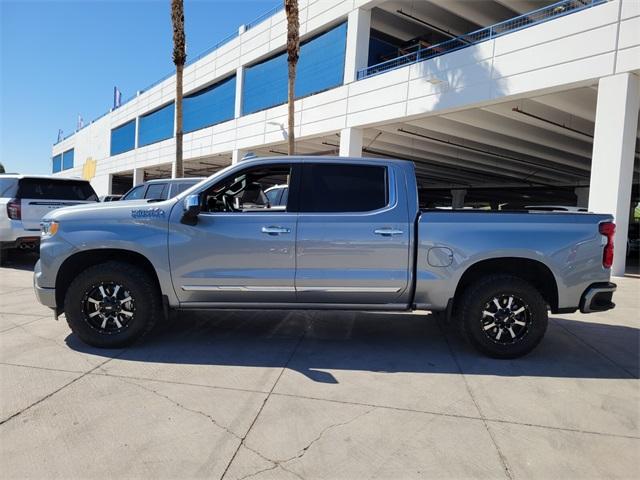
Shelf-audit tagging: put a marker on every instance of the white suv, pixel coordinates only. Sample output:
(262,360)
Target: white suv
(25,199)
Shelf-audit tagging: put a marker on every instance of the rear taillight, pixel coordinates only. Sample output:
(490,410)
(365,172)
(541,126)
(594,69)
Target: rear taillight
(14,210)
(607,229)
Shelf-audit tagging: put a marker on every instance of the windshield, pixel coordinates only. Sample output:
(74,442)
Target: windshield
(8,187)
(135,193)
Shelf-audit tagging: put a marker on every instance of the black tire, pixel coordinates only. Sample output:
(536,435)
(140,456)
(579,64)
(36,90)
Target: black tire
(123,323)
(495,331)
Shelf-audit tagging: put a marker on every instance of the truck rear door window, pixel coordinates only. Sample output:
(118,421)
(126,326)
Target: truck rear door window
(45,189)
(343,188)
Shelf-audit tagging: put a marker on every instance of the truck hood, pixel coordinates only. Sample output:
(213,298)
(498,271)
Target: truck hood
(110,210)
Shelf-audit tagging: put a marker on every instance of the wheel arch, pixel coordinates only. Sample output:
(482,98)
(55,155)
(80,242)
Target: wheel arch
(532,271)
(78,262)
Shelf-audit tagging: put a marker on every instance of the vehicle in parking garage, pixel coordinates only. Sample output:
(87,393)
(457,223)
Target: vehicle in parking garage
(25,199)
(350,236)
(161,189)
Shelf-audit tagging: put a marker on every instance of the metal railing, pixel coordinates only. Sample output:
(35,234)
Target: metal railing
(526,20)
(225,40)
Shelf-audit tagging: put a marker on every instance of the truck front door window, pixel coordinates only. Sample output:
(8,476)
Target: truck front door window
(246,191)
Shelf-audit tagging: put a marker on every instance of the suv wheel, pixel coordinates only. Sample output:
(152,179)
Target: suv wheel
(112,304)
(503,316)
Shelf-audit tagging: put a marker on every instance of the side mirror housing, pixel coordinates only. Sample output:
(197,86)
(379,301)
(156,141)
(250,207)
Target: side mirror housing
(191,210)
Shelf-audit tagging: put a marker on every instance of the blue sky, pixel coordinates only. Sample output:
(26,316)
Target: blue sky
(59,59)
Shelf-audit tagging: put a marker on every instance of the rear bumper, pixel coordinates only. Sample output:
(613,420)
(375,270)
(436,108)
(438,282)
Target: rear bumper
(597,297)
(22,243)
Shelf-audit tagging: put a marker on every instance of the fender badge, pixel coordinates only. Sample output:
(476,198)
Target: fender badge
(147,213)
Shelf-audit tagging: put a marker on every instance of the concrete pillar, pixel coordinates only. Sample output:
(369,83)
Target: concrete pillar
(613,154)
(138,176)
(357,53)
(582,194)
(236,155)
(239,86)
(457,198)
(351,142)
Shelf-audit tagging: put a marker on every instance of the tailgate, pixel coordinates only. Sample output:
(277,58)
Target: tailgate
(34,209)
(39,196)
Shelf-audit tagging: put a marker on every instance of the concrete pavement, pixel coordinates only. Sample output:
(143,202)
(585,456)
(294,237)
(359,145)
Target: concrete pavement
(316,395)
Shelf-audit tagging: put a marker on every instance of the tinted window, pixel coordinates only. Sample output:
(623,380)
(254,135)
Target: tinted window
(343,188)
(156,190)
(321,66)
(67,159)
(45,189)
(135,193)
(211,105)
(123,138)
(156,126)
(57,163)
(8,187)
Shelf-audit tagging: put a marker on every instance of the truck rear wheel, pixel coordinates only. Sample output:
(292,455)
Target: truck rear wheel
(503,316)
(112,304)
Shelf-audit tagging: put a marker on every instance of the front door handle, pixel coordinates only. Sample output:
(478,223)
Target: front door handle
(272,230)
(387,232)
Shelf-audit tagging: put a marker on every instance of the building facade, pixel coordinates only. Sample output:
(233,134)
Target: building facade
(490,99)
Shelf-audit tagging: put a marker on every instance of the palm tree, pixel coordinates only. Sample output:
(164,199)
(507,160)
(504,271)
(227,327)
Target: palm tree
(2,168)
(293,52)
(179,58)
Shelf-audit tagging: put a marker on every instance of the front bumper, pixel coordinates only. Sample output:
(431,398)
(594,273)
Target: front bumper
(597,297)
(46,296)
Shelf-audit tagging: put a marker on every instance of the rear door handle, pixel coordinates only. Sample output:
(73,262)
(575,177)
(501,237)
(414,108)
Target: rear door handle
(272,230)
(387,232)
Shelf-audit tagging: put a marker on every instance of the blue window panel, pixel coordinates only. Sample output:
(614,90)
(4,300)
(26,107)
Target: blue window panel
(123,138)
(320,67)
(57,163)
(67,159)
(156,126)
(210,105)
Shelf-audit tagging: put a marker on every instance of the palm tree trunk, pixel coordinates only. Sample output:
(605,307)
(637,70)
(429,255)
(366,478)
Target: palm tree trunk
(291,99)
(179,171)
(293,52)
(179,59)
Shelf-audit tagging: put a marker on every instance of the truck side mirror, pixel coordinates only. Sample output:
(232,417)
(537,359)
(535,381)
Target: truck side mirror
(191,210)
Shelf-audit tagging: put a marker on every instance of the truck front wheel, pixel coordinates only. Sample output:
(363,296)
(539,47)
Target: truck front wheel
(503,316)
(112,304)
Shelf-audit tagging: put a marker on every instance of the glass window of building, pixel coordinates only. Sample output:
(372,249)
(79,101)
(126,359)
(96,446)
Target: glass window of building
(57,163)
(156,126)
(321,67)
(123,138)
(210,105)
(67,159)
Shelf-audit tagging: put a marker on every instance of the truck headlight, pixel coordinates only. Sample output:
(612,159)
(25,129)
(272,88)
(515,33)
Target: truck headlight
(48,229)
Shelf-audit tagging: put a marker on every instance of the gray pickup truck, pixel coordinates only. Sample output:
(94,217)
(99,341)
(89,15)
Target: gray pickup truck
(350,236)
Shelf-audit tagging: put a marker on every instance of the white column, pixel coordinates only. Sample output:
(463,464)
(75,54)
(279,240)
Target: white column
(239,85)
(236,155)
(613,154)
(138,176)
(582,194)
(351,142)
(357,53)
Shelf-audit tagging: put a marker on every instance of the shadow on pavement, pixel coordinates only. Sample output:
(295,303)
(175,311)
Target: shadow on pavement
(374,342)
(18,260)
